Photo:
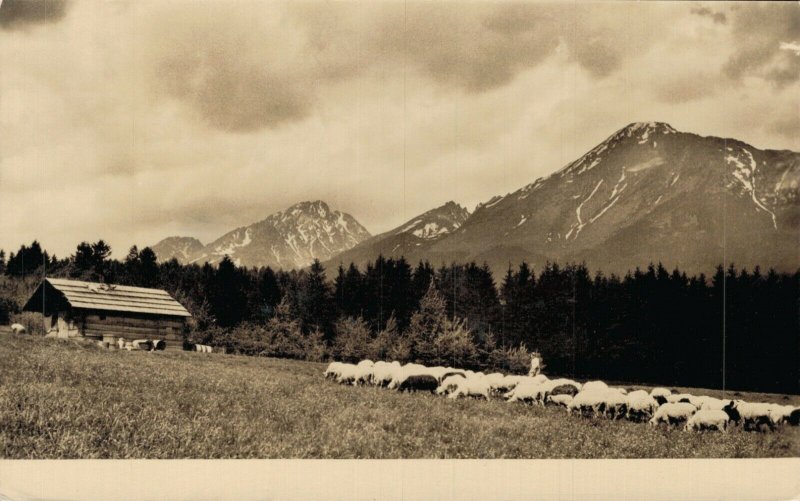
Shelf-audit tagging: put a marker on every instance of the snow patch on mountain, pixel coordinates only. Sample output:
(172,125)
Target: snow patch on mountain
(745,173)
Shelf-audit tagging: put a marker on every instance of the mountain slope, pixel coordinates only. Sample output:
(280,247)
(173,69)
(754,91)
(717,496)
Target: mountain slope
(647,193)
(287,239)
(181,248)
(414,238)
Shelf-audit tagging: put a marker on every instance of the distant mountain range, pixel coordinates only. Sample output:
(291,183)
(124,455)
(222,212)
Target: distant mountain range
(287,239)
(648,193)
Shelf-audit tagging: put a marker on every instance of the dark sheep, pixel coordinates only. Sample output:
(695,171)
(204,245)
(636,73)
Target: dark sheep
(732,412)
(159,345)
(419,383)
(187,346)
(565,389)
(794,418)
(661,400)
(685,400)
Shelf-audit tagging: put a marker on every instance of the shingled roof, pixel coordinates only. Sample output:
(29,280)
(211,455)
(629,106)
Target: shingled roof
(109,297)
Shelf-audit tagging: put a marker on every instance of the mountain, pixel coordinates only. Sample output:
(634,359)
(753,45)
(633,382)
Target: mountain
(287,239)
(648,193)
(413,238)
(181,248)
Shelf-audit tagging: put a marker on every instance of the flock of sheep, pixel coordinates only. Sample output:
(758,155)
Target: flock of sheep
(593,398)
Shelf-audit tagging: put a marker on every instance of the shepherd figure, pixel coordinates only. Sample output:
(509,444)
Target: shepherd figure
(537,366)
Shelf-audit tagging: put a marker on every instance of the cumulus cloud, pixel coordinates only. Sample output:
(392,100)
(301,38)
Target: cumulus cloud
(20,14)
(757,32)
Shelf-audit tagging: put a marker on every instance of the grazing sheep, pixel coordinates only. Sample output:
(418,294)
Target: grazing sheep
(159,345)
(712,404)
(527,390)
(586,401)
(121,343)
(594,385)
(495,381)
(509,383)
(708,419)
(405,371)
(347,374)
(660,392)
(563,399)
(641,405)
(755,415)
(565,389)
(794,417)
(333,370)
(781,413)
(471,387)
(449,384)
(673,412)
(383,373)
(18,329)
(614,404)
(419,382)
(364,372)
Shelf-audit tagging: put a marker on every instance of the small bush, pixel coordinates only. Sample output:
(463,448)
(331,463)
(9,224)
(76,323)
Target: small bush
(353,339)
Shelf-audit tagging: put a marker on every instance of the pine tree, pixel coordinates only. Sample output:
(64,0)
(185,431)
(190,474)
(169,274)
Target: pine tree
(2,261)
(427,324)
(314,300)
(148,263)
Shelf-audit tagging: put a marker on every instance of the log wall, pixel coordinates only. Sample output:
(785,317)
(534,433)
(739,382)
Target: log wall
(111,326)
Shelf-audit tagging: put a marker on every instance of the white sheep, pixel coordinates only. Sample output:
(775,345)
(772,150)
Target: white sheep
(347,374)
(672,412)
(471,387)
(712,404)
(526,390)
(614,404)
(333,370)
(383,373)
(586,400)
(18,329)
(640,405)
(755,414)
(562,400)
(660,392)
(121,342)
(449,384)
(708,419)
(781,414)
(595,385)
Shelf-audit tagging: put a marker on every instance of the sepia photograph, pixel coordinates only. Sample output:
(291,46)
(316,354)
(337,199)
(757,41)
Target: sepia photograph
(388,230)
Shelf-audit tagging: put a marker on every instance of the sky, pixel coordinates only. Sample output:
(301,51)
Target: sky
(136,120)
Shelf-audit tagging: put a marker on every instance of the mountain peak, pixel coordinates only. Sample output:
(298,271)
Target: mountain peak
(645,129)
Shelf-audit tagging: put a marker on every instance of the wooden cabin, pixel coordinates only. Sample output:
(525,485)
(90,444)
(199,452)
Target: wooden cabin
(107,312)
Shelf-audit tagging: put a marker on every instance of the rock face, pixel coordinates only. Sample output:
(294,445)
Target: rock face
(413,238)
(287,239)
(181,248)
(646,194)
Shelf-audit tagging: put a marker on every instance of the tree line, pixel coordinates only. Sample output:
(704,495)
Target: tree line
(649,326)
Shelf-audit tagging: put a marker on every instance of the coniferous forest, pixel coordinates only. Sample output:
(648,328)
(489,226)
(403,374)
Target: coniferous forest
(649,326)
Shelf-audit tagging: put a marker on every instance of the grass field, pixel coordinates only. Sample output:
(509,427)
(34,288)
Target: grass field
(61,399)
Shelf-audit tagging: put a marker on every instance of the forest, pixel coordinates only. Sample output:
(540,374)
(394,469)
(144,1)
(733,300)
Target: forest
(738,327)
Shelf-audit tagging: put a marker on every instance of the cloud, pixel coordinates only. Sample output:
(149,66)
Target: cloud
(758,31)
(20,14)
(787,125)
(793,46)
(717,17)
(242,68)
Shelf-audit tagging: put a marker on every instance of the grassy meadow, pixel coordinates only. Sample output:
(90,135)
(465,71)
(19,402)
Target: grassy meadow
(61,399)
